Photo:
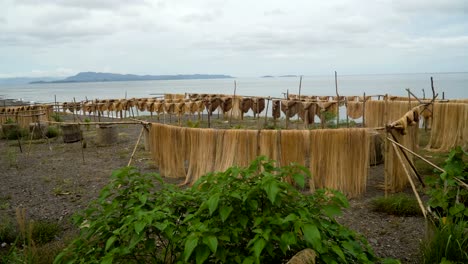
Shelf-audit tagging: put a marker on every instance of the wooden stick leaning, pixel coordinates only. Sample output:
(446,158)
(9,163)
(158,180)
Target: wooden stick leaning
(136,146)
(410,180)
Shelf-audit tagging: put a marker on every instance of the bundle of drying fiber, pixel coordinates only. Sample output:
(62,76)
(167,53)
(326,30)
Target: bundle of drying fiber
(212,104)
(308,111)
(294,146)
(396,176)
(168,148)
(276,109)
(193,96)
(200,105)
(339,99)
(411,118)
(268,144)
(235,112)
(258,105)
(449,126)
(188,106)
(361,98)
(235,147)
(168,107)
(354,109)
(290,108)
(226,104)
(399,98)
(101,105)
(179,108)
(202,152)
(119,104)
(458,100)
(174,96)
(375,111)
(246,105)
(426,114)
(110,104)
(326,107)
(323,98)
(351,98)
(141,104)
(339,159)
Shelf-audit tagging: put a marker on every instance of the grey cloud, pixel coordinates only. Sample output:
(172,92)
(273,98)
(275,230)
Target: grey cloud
(86,4)
(434,6)
(202,16)
(274,12)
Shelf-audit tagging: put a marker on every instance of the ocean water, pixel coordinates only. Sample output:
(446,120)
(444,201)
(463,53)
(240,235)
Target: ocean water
(454,85)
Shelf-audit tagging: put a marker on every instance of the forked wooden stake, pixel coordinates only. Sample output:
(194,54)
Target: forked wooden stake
(135,148)
(410,180)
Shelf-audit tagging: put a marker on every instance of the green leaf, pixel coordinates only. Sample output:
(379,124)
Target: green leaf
(248,260)
(107,259)
(312,236)
(331,210)
(139,226)
(299,179)
(258,247)
(457,208)
(339,252)
(202,254)
(110,241)
(190,244)
(213,203)
(272,189)
(224,212)
(290,217)
(211,242)
(143,198)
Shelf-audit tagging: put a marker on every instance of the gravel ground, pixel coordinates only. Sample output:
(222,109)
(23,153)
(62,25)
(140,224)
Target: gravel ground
(53,180)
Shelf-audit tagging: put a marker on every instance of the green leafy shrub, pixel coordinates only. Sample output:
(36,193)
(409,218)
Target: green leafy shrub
(8,232)
(448,240)
(52,132)
(398,204)
(57,117)
(447,197)
(16,133)
(242,215)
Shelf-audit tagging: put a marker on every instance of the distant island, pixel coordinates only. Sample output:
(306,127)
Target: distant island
(115,77)
(280,76)
(289,75)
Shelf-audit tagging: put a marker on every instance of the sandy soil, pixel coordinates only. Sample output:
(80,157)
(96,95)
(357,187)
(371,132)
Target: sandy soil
(53,181)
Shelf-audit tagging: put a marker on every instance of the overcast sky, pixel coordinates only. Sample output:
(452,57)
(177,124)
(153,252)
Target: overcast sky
(236,37)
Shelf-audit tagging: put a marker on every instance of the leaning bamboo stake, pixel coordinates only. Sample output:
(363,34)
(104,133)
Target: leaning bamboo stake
(135,148)
(364,111)
(266,112)
(387,150)
(411,181)
(338,99)
(233,99)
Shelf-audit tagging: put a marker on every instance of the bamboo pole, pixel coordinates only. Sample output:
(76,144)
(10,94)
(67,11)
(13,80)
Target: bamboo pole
(233,101)
(364,111)
(410,163)
(266,112)
(97,123)
(411,181)
(338,99)
(135,148)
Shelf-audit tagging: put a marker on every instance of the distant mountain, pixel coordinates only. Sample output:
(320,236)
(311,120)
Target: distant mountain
(268,76)
(25,80)
(289,75)
(114,77)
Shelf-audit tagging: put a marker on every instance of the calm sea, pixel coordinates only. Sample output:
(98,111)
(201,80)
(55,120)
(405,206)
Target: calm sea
(454,85)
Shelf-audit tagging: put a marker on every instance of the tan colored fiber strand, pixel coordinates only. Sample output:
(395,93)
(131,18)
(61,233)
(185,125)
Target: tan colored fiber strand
(168,148)
(396,177)
(339,159)
(449,126)
(294,147)
(267,144)
(375,111)
(202,153)
(354,109)
(235,147)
